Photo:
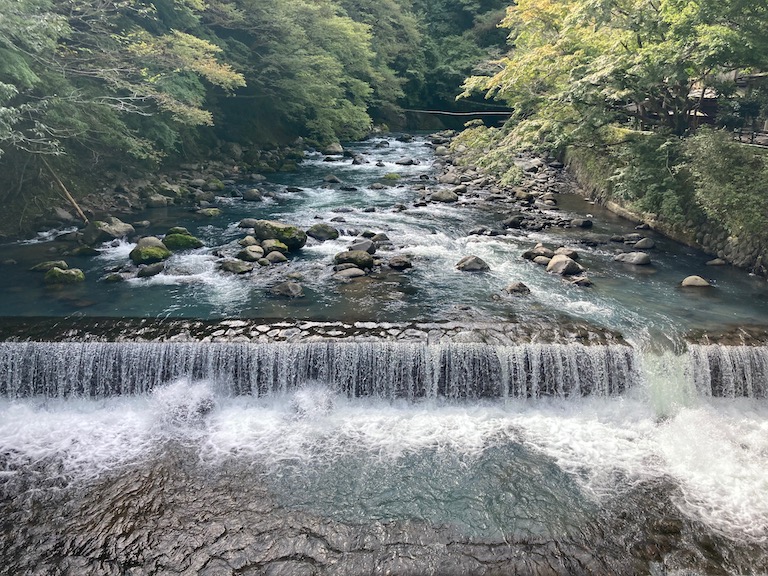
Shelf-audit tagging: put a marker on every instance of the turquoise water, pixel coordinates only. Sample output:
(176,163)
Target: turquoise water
(633,299)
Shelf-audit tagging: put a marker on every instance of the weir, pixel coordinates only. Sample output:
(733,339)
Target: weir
(380,369)
(383,369)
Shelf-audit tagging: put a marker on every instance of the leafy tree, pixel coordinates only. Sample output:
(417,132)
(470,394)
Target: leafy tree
(576,65)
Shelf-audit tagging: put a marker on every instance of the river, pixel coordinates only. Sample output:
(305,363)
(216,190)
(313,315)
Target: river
(415,422)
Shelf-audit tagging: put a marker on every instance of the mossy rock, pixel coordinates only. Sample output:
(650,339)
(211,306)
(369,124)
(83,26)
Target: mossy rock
(209,212)
(292,236)
(391,176)
(149,250)
(178,230)
(181,242)
(60,276)
(49,265)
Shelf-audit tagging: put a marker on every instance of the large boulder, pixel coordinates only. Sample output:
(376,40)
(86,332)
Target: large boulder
(113,228)
(472,264)
(292,236)
(253,195)
(695,282)
(359,258)
(645,244)
(150,270)
(59,276)
(636,258)
(149,250)
(563,265)
(323,232)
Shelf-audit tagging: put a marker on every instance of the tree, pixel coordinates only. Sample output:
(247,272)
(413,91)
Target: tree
(576,65)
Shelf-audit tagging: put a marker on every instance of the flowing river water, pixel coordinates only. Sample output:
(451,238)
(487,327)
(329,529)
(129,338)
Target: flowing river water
(416,422)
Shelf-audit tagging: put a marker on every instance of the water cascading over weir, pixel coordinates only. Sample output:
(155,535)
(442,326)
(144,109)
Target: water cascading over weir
(390,361)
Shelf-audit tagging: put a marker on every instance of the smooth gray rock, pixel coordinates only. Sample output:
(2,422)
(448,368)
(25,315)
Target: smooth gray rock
(288,290)
(472,264)
(636,258)
(695,282)
(564,266)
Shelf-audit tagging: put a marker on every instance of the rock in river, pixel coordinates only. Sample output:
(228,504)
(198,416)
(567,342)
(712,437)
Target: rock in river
(472,264)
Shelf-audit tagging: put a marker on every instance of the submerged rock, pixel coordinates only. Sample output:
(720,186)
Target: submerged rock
(236,266)
(636,258)
(288,290)
(151,270)
(517,288)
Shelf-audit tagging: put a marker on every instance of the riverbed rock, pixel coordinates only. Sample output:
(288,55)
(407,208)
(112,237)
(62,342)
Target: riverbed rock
(61,276)
(287,290)
(158,201)
(209,212)
(322,232)
(581,223)
(564,266)
(542,260)
(359,258)
(292,236)
(446,196)
(49,264)
(645,244)
(364,244)
(517,289)
(182,242)
(716,262)
(695,282)
(149,250)
(236,266)
(150,270)
(251,253)
(400,262)
(582,281)
(253,195)
(112,228)
(332,179)
(273,245)
(248,241)
(472,264)
(570,252)
(333,149)
(276,257)
(538,250)
(349,273)
(636,258)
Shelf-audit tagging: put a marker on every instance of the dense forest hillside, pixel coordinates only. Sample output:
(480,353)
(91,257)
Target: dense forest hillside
(94,88)
(92,92)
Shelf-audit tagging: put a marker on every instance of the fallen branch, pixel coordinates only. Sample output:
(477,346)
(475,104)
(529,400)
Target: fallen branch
(64,189)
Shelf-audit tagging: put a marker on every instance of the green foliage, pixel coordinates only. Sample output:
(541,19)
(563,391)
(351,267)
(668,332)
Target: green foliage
(491,150)
(577,65)
(650,174)
(731,180)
